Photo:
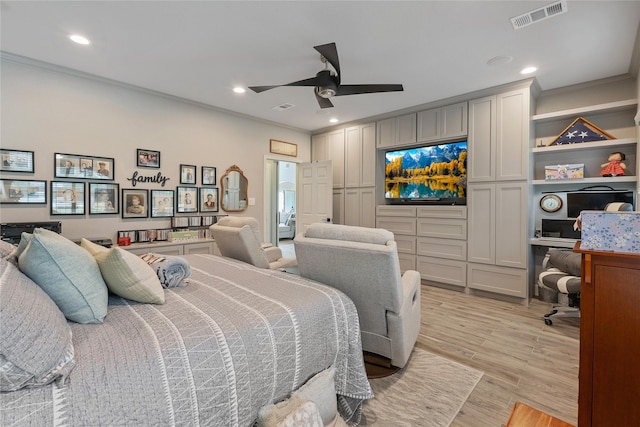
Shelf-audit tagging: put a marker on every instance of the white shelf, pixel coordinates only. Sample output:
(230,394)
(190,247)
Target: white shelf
(596,180)
(553,242)
(626,104)
(609,143)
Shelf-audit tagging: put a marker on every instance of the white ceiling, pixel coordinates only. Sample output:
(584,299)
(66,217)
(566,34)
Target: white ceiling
(200,50)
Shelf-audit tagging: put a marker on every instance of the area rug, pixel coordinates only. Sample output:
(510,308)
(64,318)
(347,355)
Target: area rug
(429,391)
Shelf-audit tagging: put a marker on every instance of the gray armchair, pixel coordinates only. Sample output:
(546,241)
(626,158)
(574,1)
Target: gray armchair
(238,237)
(363,263)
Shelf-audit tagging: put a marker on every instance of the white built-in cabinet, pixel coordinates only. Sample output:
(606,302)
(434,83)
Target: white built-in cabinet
(396,131)
(498,193)
(442,123)
(352,152)
(199,246)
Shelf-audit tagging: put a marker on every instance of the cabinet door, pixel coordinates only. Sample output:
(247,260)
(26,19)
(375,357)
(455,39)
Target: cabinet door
(453,120)
(336,155)
(319,147)
(198,248)
(352,206)
(353,156)
(482,140)
(386,133)
(481,223)
(368,167)
(406,129)
(368,207)
(338,206)
(512,226)
(429,125)
(512,136)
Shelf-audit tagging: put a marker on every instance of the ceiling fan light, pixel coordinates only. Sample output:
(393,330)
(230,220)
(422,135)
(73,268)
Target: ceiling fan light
(325,91)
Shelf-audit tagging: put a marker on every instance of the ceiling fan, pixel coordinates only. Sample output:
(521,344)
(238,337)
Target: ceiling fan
(327,82)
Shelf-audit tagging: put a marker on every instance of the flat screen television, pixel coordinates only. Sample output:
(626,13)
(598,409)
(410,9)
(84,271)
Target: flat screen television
(429,174)
(590,200)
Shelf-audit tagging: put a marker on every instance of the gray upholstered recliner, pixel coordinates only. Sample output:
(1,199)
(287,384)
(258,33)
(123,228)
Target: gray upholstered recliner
(363,263)
(238,237)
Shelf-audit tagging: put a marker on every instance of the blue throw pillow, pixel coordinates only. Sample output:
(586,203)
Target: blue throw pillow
(67,273)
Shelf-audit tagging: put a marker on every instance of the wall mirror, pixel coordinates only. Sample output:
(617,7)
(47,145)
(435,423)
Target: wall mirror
(234,190)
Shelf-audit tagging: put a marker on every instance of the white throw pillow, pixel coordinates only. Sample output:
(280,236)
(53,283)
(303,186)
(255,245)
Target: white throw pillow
(126,274)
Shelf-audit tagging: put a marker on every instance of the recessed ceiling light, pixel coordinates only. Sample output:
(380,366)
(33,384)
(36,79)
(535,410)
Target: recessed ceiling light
(239,89)
(333,120)
(528,70)
(79,39)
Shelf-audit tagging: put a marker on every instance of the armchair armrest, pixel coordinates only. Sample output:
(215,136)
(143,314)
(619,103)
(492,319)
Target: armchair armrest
(274,253)
(410,289)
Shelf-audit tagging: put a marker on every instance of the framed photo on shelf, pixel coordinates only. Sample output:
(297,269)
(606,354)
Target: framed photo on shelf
(104,198)
(84,167)
(147,158)
(135,203)
(208,175)
(162,203)
(187,174)
(18,191)
(187,199)
(16,161)
(208,199)
(67,198)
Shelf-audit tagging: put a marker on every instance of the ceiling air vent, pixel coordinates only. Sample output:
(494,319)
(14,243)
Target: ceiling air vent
(283,107)
(538,15)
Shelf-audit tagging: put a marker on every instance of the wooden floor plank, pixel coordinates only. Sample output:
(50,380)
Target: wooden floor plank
(522,358)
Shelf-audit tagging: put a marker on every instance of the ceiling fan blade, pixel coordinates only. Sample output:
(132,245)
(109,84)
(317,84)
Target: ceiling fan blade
(323,102)
(358,89)
(330,52)
(306,82)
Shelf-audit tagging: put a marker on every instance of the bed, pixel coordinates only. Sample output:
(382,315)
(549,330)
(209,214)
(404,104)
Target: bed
(235,339)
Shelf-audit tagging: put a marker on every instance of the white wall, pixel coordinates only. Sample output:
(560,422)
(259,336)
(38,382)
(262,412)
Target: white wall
(48,111)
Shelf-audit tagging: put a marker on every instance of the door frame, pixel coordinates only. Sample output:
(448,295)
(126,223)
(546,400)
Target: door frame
(271,188)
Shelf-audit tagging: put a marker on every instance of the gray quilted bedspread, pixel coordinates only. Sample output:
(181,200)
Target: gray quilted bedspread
(233,340)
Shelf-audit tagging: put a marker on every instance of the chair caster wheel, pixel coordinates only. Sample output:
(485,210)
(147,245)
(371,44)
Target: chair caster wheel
(548,322)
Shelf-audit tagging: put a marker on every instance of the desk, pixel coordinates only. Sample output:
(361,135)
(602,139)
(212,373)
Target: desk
(609,339)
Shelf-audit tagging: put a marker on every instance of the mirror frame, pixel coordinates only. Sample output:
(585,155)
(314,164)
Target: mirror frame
(223,189)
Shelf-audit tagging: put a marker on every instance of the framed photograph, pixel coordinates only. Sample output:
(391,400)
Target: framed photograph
(147,158)
(187,199)
(104,198)
(135,203)
(85,167)
(67,198)
(23,191)
(209,199)
(16,161)
(285,148)
(208,175)
(162,203)
(187,174)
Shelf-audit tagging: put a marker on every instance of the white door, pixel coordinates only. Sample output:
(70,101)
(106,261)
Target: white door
(314,201)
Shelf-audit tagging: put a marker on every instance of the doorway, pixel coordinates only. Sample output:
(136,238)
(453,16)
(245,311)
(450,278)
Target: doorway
(280,215)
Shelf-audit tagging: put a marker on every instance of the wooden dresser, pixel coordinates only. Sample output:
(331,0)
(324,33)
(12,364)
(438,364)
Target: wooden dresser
(609,339)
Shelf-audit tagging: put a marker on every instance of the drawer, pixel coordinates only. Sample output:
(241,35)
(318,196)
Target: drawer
(450,212)
(397,225)
(407,262)
(442,248)
(442,228)
(389,210)
(442,270)
(406,244)
(500,280)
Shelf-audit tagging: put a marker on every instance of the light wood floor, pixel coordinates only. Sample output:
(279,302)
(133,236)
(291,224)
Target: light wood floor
(522,358)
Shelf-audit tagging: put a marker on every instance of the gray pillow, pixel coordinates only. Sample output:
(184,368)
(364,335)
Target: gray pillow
(35,338)
(67,273)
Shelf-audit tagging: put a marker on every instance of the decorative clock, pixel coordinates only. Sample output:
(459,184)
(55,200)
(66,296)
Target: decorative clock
(551,203)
